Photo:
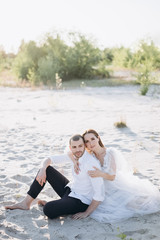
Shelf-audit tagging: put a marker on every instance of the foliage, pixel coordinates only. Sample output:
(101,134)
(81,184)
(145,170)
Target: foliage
(146,60)
(58,81)
(107,55)
(54,60)
(40,64)
(101,71)
(6,60)
(80,59)
(120,124)
(26,61)
(21,65)
(122,57)
(144,76)
(123,236)
(146,52)
(105,59)
(2,59)
(46,69)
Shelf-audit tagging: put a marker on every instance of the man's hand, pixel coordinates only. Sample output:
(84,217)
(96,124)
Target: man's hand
(80,215)
(41,177)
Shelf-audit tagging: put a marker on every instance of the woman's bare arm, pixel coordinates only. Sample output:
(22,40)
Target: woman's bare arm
(98,173)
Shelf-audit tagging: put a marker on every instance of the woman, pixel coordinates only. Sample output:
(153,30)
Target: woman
(126,195)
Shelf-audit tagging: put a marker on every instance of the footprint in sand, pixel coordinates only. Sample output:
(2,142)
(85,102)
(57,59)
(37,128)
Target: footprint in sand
(41,223)
(20,158)
(10,158)
(79,236)
(60,237)
(140,231)
(2,217)
(3,176)
(15,232)
(24,165)
(13,185)
(20,178)
(2,197)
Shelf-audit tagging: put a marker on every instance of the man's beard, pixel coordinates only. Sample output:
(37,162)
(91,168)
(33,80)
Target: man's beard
(78,154)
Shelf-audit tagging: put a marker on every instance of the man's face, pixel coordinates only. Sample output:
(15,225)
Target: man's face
(77,148)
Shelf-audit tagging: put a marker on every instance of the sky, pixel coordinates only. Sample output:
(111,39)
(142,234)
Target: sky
(110,22)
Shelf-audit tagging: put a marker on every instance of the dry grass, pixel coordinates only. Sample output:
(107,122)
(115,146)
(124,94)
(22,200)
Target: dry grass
(121,123)
(8,79)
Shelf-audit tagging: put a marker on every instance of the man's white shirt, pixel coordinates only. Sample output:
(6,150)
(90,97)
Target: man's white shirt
(83,186)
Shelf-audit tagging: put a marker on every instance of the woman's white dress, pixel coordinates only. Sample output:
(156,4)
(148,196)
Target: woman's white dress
(127,195)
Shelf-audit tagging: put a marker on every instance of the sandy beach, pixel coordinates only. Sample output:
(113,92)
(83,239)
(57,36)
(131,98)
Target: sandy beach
(35,124)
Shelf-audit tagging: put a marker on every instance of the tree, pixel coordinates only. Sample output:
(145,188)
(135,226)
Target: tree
(27,59)
(146,60)
(81,58)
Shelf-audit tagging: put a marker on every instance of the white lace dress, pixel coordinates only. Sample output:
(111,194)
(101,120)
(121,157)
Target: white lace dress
(127,195)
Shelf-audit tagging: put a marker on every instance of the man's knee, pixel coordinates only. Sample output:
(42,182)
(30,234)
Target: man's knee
(53,209)
(50,172)
(47,211)
(49,168)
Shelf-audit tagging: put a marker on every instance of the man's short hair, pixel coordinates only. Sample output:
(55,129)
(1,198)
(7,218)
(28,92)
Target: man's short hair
(75,137)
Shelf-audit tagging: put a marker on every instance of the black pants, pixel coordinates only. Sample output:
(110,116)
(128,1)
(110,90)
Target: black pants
(63,206)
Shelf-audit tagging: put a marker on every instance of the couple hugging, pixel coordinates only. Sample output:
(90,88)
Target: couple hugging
(103,187)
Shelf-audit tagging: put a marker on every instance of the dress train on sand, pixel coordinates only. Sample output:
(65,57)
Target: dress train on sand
(127,195)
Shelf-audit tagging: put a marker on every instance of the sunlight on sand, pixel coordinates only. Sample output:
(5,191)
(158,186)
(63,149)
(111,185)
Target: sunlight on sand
(37,124)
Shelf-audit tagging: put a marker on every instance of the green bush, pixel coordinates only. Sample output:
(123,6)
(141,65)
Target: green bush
(81,59)
(27,59)
(145,60)
(6,60)
(144,76)
(107,55)
(47,68)
(100,71)
(21,65)
(146,52)
(122,57)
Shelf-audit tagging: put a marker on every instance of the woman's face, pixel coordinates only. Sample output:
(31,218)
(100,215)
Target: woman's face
(91,141)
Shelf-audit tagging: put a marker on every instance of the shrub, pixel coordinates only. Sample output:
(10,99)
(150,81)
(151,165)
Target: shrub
(26,61)
(146,60)
(81,58)
(58,81)
(121,57)
(146,51)
(47,69)
(144,76)
(21,65)
(120,124)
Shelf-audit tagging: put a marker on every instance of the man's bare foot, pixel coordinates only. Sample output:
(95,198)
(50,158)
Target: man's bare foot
(22,205)
(42,202)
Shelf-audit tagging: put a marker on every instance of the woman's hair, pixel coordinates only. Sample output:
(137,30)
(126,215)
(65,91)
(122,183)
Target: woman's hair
(95,134)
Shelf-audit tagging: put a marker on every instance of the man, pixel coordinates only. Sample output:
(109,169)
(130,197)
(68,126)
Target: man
(80,198)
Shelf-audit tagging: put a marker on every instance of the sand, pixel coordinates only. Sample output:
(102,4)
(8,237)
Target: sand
(35,124)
